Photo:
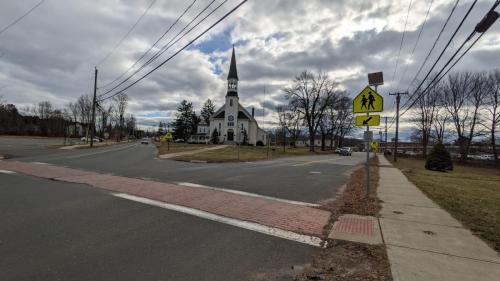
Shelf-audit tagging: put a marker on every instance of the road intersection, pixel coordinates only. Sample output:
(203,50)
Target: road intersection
(248,209)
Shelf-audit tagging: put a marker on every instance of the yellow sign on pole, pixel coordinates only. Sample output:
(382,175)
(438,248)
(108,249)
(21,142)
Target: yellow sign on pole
(374,145)
(368,101)
(367,120)
(167,137)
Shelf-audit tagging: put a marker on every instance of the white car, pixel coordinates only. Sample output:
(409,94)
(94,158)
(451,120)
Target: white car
(84,139)
(145,141)
(345,151)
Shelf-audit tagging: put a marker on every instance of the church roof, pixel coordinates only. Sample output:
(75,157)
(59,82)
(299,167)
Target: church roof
(220,114)
(233,73)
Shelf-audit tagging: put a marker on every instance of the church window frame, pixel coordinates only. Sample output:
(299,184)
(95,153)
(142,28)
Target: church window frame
(230,102)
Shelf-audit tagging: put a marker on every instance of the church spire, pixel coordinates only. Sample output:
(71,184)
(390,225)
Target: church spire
(233,74)
(232,78)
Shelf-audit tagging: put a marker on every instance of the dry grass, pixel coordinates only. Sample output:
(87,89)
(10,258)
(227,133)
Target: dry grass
(165,148)
(248,153)
(470,194)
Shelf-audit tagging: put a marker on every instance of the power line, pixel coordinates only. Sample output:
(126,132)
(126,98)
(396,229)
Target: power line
(416,41)
(21,17)
(438,78)
(127,34)
(168,45)
(444,49)
(180,50)
(433,46)
(430,51)
(481,25)
(402,41)
(152,46)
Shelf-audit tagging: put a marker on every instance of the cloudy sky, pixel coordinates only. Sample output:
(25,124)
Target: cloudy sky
(50,54)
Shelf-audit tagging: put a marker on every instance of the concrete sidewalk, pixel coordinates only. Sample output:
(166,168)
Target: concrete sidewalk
(423,241)
(176,154)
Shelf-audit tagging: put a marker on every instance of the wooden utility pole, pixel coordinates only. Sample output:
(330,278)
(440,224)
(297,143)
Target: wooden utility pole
(92,123)
(398,100)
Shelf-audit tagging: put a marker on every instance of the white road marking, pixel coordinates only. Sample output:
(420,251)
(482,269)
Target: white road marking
(39,163)
(314,172)
(7,172)
(249,194)
(316,161)
(305,239)
(99,152)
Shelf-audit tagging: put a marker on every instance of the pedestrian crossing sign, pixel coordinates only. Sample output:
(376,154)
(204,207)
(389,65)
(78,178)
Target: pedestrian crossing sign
(368,101)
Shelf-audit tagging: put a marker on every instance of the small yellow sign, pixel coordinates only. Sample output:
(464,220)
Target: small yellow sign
(368,101)
(167,137)
(367,120)
(374,145)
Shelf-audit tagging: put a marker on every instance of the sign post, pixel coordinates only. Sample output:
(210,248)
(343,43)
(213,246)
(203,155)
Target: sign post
(367,101)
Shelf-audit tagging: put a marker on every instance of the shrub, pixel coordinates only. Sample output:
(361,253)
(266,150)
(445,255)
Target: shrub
(439,159)
(215,137)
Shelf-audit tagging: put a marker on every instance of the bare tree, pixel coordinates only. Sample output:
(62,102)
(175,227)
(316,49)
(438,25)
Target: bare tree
(291,122)
(310,95)
(492,109)
(463,94)
(84,105)
(425,115)
(121,105)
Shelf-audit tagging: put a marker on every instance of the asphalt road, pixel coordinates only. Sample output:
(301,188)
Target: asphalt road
(61,231)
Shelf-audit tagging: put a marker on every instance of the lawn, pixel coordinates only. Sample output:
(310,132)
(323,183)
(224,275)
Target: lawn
(248,153)
(179,147)
(470,194)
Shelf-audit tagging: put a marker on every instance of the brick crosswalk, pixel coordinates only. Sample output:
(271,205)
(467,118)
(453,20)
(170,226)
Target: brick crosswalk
(286,216)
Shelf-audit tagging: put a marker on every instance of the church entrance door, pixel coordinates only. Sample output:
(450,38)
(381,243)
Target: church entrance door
(230,135)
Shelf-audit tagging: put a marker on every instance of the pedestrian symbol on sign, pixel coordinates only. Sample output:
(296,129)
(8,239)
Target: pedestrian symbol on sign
(368,101)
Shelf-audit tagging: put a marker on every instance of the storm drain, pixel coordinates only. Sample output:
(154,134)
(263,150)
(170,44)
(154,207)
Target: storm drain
(363,229)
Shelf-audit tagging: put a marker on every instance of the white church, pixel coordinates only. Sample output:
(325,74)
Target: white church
(232,121)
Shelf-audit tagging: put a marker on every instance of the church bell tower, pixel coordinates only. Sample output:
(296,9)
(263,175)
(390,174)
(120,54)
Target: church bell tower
(232,103)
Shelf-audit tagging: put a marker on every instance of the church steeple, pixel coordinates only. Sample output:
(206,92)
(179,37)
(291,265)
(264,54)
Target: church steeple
(233,74)
(232,78)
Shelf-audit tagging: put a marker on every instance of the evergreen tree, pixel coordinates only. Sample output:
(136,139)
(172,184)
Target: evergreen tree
(161,128)
(245,137)
(215,137)
(207,110)
(184,122)
(439,159)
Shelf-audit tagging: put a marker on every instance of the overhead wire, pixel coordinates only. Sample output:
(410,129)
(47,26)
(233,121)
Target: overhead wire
(422,27)
(401,44)
(433,45)
(440,56)
(127,34)
(168,45)
(439,77)
(152,46)
(180,50)
(21,17)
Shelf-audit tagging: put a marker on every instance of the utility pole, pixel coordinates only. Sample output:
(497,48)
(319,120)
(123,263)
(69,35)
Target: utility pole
(92,129)
(385,133)
(398,100)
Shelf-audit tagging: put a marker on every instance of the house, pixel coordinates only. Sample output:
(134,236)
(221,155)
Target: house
(202,134)
(234,124)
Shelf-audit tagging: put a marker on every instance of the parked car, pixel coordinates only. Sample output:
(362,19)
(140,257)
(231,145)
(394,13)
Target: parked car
(179,140)
(345,151)
(145,141)
(337,150)
(96,139)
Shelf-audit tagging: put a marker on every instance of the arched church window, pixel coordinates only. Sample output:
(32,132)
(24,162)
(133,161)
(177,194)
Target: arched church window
(230,102)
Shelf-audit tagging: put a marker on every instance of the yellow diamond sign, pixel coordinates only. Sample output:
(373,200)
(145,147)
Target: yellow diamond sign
(368,101)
